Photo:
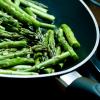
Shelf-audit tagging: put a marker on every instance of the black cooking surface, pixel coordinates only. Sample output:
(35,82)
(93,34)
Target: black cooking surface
(50,87)
(31,88)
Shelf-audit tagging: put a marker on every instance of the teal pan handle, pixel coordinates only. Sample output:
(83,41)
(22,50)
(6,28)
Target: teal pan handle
(75,81)
(87,85)
(97,3)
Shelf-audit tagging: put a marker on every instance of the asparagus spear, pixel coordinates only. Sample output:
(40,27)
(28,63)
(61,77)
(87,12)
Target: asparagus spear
(17,2)
(53,61)
(37,55)
(1,27)
(22,15)
(4,52)
(48,70)
(44,57)
(10,23)
(21,53)
(30,12)
(34,6)
(24,31)
(4,17)
(10,35)
(17,33)
(39,32)
(15,11)
(13,25)
(37,11)
(43,15)
(37,61)
(3,33)
(70,36)
(10,72)
(7,63)
(58,52)
(38,48)
(51,43)
(13,44)
(20,67)
(46,39)
(65,45)
(38,4)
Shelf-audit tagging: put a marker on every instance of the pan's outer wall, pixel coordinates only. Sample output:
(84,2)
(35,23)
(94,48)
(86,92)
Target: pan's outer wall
(79,17)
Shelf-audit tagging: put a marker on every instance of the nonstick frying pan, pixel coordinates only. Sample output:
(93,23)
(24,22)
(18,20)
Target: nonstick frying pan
(81,20)
(79,17)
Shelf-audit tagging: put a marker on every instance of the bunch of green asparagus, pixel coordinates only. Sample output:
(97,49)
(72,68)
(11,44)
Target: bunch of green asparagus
(29,46)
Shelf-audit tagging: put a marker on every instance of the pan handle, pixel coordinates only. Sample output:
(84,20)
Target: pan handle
(75,80)
(95,2)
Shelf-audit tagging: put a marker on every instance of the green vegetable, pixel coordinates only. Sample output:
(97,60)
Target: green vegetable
(4,51)
(1,27)
(37,61)
(37,55)
(8,63)
(7,19)
(43,15)
(6,34)
(48,70)
(46,39)
(38,4)
(58,52)
(62,41)
(20,53)
(13,44)
(38,48)
(30,12)
(50,62)
(13,25)
(20,67)
(17,2)
(51,43)
(10,72)
(21,15)
(34,6)
(70,36)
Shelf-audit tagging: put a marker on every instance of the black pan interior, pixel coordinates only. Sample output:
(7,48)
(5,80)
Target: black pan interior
(77,17)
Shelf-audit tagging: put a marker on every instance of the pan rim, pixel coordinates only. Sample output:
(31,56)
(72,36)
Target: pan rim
(74,67)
